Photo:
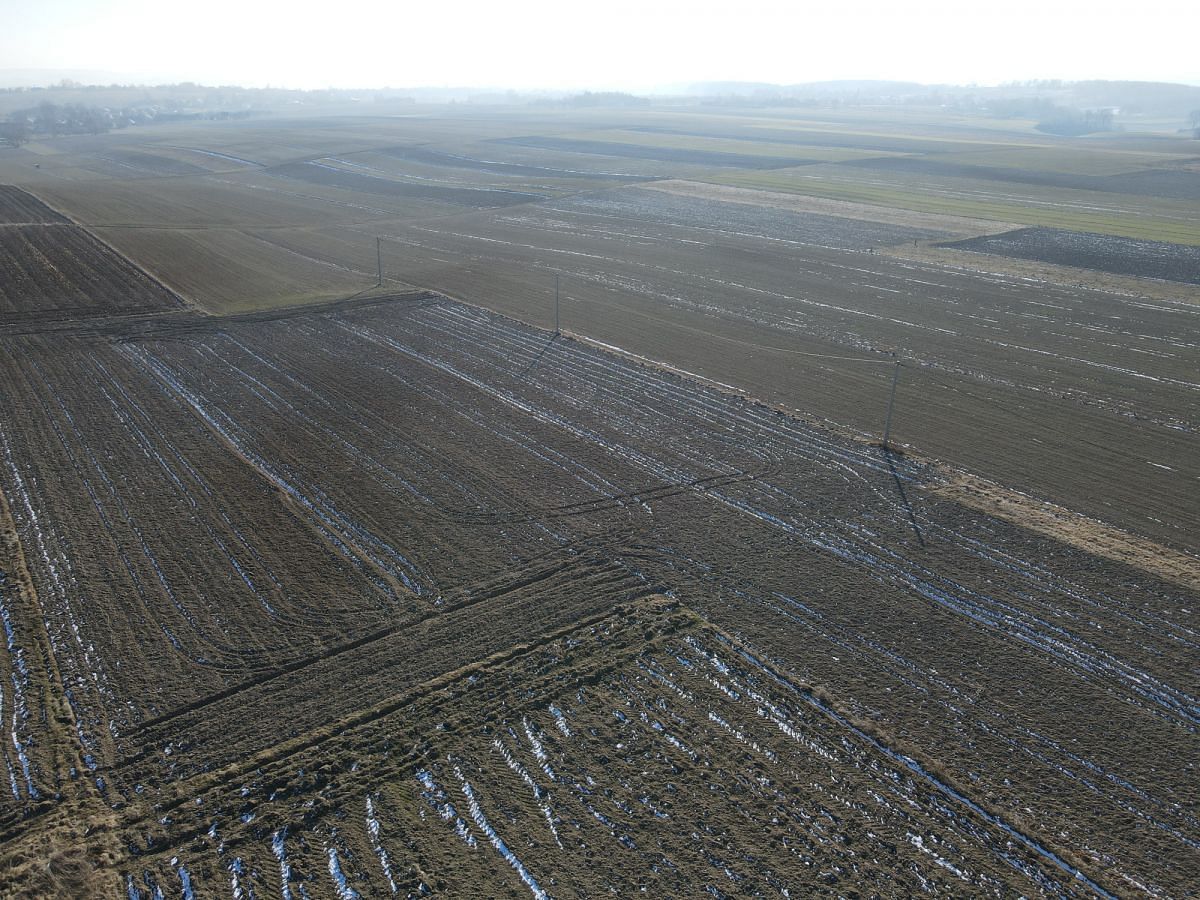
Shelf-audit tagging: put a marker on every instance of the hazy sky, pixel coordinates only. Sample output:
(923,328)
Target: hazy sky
(631,44)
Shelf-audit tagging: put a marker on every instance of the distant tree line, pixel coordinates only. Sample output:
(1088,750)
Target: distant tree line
(1077,121)
(606,98)
(56,119)
(1051,117)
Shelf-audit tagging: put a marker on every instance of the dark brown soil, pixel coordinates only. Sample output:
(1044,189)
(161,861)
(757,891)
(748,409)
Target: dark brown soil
(1167,184)
(453,161)
(18,207)
(60,272)
(662,154)
(535,602)
(1082,396)
(399,595)
(320,173)
(1105,253)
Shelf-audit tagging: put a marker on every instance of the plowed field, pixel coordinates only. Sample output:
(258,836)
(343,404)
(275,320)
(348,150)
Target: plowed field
(18,207)
(1121,256)
(52,270)
(403,594)
(346,579)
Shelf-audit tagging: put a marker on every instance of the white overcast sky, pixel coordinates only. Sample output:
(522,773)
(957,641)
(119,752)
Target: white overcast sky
(618,44)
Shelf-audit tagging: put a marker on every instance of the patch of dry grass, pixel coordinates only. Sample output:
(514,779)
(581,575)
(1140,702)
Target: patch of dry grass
(1071,528)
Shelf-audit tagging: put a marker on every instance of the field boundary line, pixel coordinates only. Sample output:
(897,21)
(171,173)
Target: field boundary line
(1129,287)
(65,752)
(1082,532)
(891,749)
(186,302)
(842,209)
(523,582)
(359,718)
(645,359)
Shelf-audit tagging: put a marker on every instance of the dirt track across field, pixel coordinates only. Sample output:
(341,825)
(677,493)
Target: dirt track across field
(400,592)
(406,505)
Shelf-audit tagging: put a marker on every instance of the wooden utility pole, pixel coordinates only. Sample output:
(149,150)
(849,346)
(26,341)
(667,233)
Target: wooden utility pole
(887,425)
(557,330)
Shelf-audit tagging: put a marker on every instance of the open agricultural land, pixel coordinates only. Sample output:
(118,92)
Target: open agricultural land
(318,587)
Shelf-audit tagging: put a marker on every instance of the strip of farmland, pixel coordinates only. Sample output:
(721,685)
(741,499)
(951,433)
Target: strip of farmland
(352,481)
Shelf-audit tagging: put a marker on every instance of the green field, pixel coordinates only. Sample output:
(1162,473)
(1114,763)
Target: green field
(1117,214)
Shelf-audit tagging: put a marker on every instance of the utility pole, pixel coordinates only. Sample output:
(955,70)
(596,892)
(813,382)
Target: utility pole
(887,425)
(379,260)
(557,330)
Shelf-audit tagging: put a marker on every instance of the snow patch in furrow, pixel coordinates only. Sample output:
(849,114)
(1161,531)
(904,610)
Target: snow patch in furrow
(344,891)
(560,720)
(539,751)
(916,768)
(436,798)
(185,879)
(377,845)
(919,842)
(237,870)
(486,827)
(19,675)
(538,794)
(285,868)
(742,738)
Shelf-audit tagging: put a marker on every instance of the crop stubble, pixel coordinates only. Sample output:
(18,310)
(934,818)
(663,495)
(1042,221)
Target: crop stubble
(402,595)
(51,269)
(417,448)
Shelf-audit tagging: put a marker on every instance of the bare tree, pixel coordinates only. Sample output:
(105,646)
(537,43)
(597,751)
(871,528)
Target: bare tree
(15,132)
(45,118)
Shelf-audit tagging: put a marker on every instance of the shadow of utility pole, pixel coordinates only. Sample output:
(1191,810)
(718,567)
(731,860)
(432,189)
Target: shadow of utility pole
(537,359)
(912,519)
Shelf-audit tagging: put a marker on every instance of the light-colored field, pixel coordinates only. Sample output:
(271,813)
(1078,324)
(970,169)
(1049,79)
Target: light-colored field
(990,265)
(1079,531)
(908,139)
(1075,160)
(728,145)
(249,199)
(1122,215)
(824,206)
(229,270)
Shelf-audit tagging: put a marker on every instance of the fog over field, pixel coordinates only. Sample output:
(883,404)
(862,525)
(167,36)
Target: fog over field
(619,45)
(541,450)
